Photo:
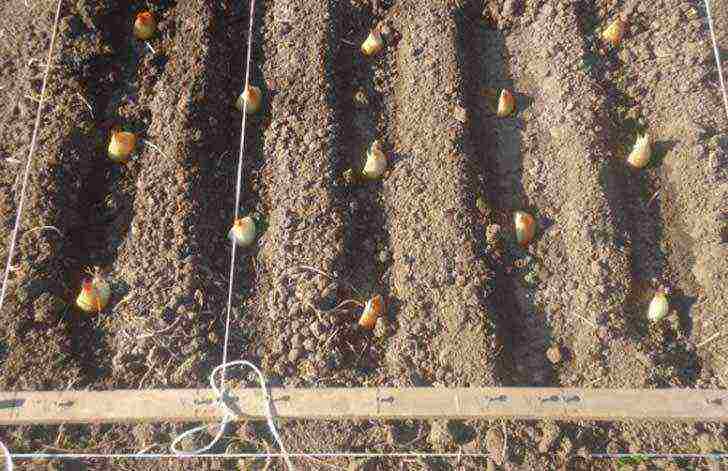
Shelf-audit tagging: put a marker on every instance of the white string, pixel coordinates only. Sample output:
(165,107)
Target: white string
(8,458)
(33,142)
(159,456)
(230,414)
(221,393)
(717,57)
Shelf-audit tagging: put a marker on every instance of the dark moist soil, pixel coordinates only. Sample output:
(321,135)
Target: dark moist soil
(465,304)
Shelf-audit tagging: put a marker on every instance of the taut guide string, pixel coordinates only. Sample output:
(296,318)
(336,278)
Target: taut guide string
(229,415)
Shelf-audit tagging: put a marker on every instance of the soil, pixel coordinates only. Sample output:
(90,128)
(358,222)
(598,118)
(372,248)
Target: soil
(465,304)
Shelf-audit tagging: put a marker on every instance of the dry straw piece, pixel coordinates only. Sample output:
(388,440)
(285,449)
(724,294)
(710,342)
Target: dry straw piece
(145,26)
(121,146)
(641,152)
(373,309)
(253,97)
(506,103)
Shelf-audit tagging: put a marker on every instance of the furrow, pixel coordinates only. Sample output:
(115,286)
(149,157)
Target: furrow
(363,88)
(439,278)
(501,162)
(682,109)
(579,264)
(305,234)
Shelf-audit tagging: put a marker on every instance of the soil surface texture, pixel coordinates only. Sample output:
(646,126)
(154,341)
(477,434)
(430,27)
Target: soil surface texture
(465,303)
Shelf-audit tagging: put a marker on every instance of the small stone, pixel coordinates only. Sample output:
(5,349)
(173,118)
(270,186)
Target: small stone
(309,345)
(439,436)
(554,354)
(360,98)
(550,435)
(460,114)
(294,354)
(494,443)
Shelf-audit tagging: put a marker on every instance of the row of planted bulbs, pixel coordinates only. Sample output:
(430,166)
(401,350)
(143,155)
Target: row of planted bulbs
(95,292)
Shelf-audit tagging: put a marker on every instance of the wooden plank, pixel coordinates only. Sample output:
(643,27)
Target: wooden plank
(192,405)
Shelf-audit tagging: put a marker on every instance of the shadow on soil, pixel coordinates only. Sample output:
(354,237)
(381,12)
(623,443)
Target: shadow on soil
(496,182)
(214,162)
(94,197)
(359,109)
(635,199)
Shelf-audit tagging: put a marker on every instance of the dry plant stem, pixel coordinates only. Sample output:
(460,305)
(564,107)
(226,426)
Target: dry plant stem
(90,110)
(153,146)
(710,339)
(653,197)
(505,442)
(585,320)
(331,277)
(45,228)
(164,330)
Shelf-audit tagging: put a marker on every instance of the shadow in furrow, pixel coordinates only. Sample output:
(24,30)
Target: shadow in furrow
(214,173)
(93,219)
(359,108)
(635,196)
(497,182)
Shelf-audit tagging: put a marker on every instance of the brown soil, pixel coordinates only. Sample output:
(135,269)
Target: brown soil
(466,305)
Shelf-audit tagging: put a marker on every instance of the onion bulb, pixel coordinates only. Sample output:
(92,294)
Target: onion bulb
(243,232)
(145,25)
(614,32)
(373,309)
(525,227)
(121,146)
(95,293)
(659,306)
(641,152)
(251,96)
(506,103)
(373,43)
(376,162)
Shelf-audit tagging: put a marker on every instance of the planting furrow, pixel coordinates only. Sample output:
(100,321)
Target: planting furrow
(446,324)
(681,107)
(500,169)
(363,89)
(552,161)
(301,251)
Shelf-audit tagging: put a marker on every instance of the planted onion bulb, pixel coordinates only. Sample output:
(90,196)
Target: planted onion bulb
(373,309)
(243,232)
(506,103)
(252,97)
(95,293)
(659,306)
(641,152)
(525,227)
(614,32)
(376,162)
(145,25)
(121,146)
(373,43)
